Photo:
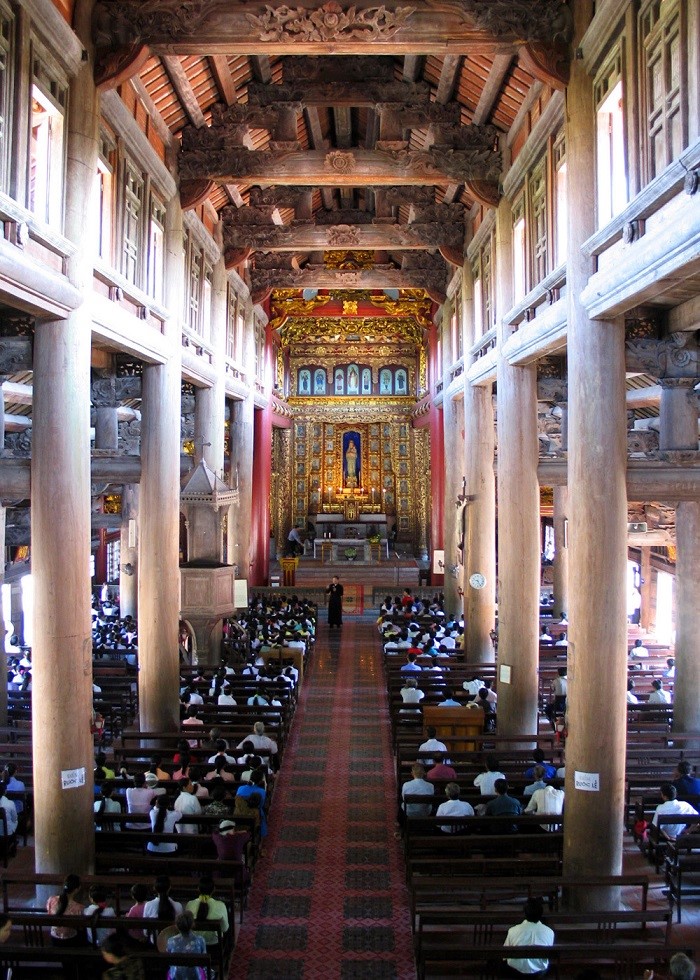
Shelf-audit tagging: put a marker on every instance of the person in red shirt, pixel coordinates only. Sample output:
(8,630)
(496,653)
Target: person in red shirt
(440,770)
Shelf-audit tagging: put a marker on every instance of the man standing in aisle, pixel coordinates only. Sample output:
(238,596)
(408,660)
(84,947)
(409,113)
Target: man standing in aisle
(335,603)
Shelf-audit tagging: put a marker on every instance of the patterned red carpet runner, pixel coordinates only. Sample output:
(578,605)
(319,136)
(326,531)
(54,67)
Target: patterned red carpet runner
(329,899)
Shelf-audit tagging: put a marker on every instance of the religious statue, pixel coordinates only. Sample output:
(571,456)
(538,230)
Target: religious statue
(351,465)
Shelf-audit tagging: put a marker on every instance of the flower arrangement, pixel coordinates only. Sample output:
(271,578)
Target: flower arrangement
(351,554)
(373,538)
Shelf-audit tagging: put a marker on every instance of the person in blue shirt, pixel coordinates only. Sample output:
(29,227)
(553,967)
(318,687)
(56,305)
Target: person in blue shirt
(686,784)
(550,771)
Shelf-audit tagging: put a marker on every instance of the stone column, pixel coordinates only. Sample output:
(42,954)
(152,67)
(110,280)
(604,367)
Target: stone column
(646,616)
(453,410)
(561,550)
(260,515)
(210,403)
(3,659)
(106,428)
(597,530)
(480,519)
(518,516)
(159,504)
(242,478)
(129,551)
(679,431)
(60,523)
(480,489)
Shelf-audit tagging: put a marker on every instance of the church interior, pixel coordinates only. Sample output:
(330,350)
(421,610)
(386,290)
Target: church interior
(402,293)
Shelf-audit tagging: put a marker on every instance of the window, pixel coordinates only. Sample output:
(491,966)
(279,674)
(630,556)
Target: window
(537,188)
(104,198)
(519,249)
(6,93)
(133,224)
(663,79)
(611,174)
(561,210)
(156,251)
(231,322)
(47,145)
(484,313)
(194,283)
(205,319)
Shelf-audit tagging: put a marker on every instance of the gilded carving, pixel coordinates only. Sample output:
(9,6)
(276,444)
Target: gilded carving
(356,259)
(329,22)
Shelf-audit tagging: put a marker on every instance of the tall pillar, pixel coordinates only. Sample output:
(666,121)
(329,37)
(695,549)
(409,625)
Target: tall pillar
(480,538)
(159,506)
(242,425)
(561,550)
(646,616)
(436,485)
(129,551)
(597,530)
(679,431)
(60,523)
(480,490)
(3,660)
(453,409)
(210,403)
(260,514)
(518,516)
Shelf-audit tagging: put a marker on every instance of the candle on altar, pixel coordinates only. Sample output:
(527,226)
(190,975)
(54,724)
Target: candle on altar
(329,494)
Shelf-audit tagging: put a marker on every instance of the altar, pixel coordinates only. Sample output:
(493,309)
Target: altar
(336,549)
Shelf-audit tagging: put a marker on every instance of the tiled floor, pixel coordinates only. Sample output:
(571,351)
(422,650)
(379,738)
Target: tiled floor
(329,898)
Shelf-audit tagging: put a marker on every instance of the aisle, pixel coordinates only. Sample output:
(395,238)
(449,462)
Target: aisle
(329,899)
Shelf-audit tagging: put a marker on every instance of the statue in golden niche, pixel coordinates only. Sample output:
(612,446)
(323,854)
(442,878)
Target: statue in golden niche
(351,460)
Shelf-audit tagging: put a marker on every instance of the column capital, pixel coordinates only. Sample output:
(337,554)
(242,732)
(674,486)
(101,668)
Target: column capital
(678,383)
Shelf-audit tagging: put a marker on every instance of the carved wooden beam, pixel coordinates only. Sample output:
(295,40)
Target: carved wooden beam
(223,77)
(316,238)
(116,65)
(318,277)
(341,168)
(194,192)
(349,94)
(183,90)
(209,27)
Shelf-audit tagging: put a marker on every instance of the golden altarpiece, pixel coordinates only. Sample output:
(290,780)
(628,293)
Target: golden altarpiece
(351,381)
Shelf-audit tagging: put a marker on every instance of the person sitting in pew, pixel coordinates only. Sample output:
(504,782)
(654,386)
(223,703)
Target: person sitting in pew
(13,784)
(659,695)
(671,804)
(503,805)
(639,651)
(473,686)
(187,804)
(486,781)
(106,804)
(449,701)
(162,906)
(550,771)
(440,770)
(539,783)
(631,696)
(680,966)
(685,782)
(453,807)
(547,800)
(432,744)
(124,964)
(530,932)
(206,907)
(410,692)
(163,820)
(419,785)
(670,671)
(99,909)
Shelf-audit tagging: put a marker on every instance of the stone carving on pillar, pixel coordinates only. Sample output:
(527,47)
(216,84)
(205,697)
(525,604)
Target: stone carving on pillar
(17,527)
(642,442)
(121,24)
(15,355)
(531,20)
(103,390)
